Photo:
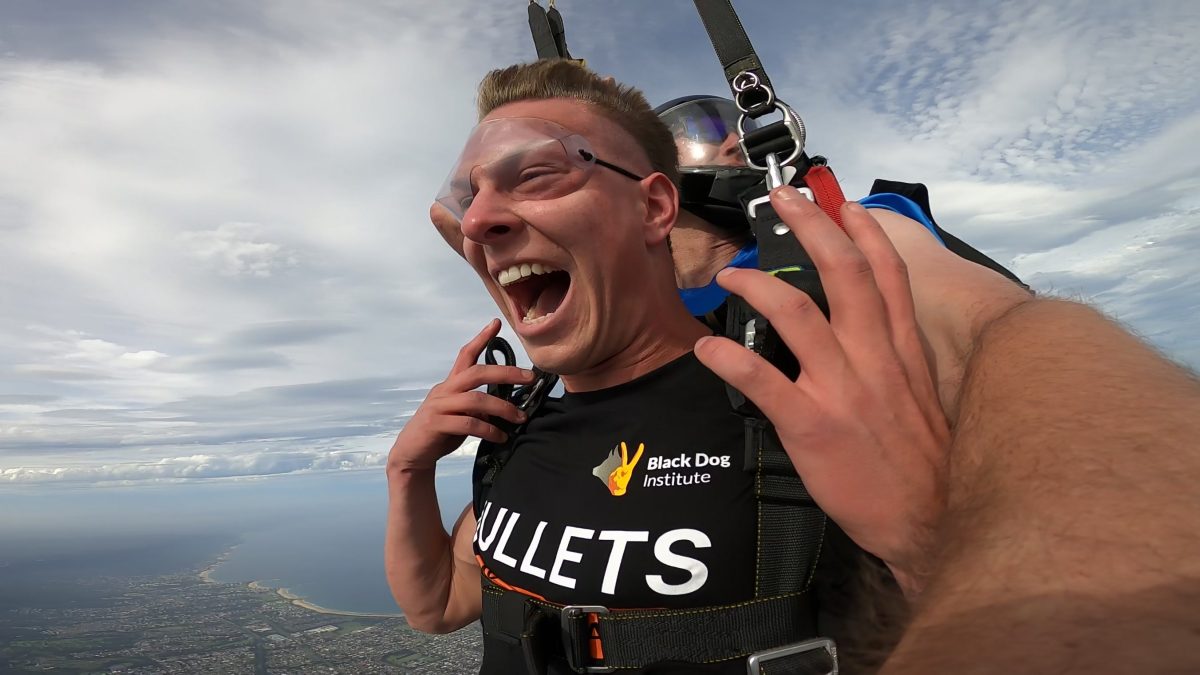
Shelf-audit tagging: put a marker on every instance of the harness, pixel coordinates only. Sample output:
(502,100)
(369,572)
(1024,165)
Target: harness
(597,639)
(777,630)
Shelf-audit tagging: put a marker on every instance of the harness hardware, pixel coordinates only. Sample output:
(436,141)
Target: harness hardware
(576,637)
(755,662)
(795,128)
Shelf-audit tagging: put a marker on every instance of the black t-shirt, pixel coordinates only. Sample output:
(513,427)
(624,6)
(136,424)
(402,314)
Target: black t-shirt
(632,496)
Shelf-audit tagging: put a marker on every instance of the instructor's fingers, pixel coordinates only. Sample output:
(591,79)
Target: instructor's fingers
(855,305)
(469,354)
(794,315)
(759,381)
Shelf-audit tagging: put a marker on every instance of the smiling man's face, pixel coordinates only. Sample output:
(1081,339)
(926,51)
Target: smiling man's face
(566,270)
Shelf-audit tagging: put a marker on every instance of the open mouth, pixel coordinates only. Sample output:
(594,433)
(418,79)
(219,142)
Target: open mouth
(536,290)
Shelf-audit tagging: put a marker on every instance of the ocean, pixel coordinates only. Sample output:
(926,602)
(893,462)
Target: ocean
(319,535)
(333,556)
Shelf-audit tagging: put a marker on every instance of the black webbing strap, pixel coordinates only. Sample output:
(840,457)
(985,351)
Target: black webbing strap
(543,32)
(558,30)
(635,638)
(791,527)
(776,251)
(732,45)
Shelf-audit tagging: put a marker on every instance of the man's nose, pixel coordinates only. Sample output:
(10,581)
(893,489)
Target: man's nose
(730,152)
(490,217)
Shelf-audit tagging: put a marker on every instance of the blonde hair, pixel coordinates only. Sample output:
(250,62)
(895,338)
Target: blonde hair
(561,78)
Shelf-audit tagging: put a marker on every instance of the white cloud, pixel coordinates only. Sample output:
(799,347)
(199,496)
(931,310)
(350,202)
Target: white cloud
(241,464)
(197,467)
(216,238)
(233,249)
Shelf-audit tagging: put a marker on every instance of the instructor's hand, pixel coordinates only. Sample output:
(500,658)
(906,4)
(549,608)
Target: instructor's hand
(454,409)
(862,423)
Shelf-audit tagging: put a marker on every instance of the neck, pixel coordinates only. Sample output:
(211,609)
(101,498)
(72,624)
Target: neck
(700,250)
(655,329)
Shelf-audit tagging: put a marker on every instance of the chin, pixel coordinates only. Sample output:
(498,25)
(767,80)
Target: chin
(559,359)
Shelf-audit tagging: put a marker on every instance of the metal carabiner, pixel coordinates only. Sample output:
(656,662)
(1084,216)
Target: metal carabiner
(796,130)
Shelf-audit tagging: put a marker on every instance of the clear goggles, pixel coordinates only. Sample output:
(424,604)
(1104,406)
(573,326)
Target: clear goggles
(701,127)
(523,158)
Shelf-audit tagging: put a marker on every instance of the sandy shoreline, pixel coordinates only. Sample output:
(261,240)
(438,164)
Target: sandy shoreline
(206,573)
(301,602)
(206,576)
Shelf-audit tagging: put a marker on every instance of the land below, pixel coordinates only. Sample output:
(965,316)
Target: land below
(187,623)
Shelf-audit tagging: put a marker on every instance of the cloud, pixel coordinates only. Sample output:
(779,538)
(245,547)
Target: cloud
(233,250)
(233,361)
(277,333)
(216,242)
(198,466)
(238,465)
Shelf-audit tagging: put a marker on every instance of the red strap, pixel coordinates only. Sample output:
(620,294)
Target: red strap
(826,191)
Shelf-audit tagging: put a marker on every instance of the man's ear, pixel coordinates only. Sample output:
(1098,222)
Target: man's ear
(662,207)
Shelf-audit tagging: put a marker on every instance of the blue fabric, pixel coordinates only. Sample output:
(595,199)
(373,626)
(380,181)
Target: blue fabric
(902,205)
(704,299)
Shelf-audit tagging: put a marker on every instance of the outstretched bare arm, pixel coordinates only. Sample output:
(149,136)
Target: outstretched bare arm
(1072,537)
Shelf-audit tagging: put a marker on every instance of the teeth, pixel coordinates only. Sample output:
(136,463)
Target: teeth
(529,318)
(517,272)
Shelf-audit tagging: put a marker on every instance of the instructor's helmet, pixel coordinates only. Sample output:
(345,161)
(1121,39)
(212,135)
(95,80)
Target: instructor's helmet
(712,169)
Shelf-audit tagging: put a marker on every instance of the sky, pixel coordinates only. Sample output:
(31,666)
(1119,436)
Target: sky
(216,260)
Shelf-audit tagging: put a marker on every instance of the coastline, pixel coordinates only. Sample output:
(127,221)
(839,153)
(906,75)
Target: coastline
(206,576)
(206,573)
(301,602)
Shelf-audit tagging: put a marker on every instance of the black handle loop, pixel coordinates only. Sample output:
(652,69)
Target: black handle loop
(505,350)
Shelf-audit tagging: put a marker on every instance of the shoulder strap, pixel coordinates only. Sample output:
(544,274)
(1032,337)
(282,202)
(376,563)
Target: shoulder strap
(543,32)
(733,48)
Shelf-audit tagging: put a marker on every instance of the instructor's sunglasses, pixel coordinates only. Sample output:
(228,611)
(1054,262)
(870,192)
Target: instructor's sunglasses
(525,159)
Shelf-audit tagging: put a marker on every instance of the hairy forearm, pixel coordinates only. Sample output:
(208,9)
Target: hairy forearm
(1072,536)
(419,556)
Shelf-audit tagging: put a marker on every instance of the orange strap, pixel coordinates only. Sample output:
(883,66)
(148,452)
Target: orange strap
(595,647)
(826,191)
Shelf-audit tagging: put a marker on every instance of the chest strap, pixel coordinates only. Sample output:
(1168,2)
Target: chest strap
(598,639)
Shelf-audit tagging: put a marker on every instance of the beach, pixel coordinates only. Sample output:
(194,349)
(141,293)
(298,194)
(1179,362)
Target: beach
(206,575)
(301,602)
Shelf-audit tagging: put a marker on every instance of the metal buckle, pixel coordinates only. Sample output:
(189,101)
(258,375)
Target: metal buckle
(795,127)
(755,662)
(788,173)
(570,615)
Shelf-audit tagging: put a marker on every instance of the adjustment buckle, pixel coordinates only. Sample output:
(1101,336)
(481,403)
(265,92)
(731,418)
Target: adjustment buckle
(577,637)
(752,205)
(756,661)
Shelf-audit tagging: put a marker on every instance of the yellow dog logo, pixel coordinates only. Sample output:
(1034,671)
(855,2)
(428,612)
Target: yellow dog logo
(616,469)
